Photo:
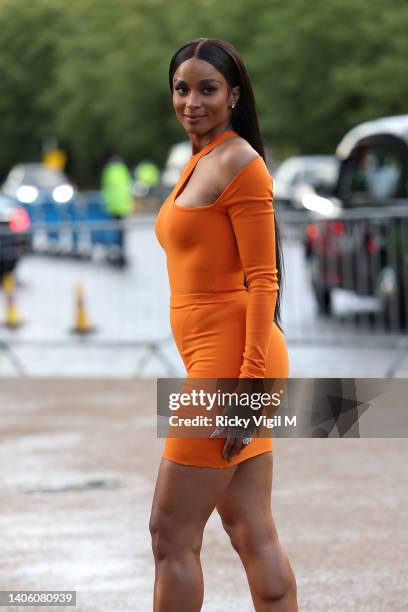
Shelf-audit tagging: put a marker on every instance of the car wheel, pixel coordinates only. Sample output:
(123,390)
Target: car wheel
(323,300)
(6,267)
(321,292)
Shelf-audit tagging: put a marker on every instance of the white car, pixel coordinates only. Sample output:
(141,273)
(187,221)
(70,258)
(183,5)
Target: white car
(297,177)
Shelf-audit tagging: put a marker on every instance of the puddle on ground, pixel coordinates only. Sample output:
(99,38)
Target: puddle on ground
(77,486)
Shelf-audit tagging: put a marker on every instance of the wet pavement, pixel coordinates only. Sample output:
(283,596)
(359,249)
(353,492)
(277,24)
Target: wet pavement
(79,460)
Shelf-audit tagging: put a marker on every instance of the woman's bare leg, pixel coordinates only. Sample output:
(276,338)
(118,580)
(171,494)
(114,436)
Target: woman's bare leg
(246,514)
(183,501)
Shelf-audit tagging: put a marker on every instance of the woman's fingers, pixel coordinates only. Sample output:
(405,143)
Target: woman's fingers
(229,442)
(233,446)
(233,442)
(238,446)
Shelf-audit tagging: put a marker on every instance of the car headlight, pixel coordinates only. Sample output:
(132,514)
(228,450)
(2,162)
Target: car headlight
(62,193)
(27,194)
(316,203)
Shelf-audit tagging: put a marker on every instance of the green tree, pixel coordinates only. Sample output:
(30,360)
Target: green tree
(94,72)
(27,71)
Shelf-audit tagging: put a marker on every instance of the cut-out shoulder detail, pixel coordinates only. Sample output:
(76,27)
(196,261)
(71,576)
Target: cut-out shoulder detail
(226,188)
(236,156)
(232,160)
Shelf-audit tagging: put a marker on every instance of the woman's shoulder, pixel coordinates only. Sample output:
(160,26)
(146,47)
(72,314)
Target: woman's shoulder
(235,157)
(241,169)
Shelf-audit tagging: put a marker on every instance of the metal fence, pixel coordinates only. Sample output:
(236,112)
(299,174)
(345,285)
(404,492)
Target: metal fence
(70,294)
(71,291)
(348,274)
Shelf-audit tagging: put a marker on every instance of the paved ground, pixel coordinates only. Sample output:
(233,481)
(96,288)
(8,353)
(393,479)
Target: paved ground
(340,505)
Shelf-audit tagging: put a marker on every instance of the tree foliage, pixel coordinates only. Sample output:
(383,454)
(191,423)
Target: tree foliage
(94,72)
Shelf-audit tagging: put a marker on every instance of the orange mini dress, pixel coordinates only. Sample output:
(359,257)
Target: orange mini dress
(222,328)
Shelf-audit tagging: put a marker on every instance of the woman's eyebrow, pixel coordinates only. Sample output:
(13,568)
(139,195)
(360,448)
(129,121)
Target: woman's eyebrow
(206,80)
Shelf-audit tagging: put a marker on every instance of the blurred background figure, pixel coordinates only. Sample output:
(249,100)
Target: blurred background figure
(116,188)
(377,173)
(146,177)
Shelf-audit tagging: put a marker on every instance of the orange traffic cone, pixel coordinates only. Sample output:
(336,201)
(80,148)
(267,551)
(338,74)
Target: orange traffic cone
(82,324)
(13,318)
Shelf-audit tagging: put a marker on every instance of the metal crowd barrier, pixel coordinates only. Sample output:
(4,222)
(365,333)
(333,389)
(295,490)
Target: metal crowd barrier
(356,266)
(362,254)
(85,300)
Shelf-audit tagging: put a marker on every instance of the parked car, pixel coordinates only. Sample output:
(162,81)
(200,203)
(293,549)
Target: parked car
(299,176)
(34,183)
(14,234)
(361,243)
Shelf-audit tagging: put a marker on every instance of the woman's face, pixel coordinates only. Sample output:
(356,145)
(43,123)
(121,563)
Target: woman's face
(201,97)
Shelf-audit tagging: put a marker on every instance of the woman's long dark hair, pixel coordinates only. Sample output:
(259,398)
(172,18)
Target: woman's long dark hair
(226,59)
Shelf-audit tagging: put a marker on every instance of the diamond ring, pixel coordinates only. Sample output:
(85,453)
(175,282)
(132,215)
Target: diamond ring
(246,440)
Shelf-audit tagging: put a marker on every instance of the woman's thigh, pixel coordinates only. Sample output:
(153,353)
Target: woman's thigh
(246,513)
(184,499)
(245,505)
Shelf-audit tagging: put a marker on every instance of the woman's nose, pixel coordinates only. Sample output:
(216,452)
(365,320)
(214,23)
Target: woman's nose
(193,99)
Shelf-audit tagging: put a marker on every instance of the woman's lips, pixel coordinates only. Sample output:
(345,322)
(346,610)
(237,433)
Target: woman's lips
(194,119)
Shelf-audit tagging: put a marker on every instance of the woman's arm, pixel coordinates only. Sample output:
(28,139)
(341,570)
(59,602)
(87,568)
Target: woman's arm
(251,212)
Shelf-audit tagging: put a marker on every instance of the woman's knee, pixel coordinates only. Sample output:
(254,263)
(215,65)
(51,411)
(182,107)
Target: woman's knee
(237,534)
(257,546)
(172,540)
(246,538)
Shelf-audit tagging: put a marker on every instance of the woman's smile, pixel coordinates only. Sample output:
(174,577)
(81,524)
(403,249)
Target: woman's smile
(194,118)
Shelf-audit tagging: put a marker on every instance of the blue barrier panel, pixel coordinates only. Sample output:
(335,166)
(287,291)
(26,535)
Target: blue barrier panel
(33,211)
(96,212)
(76,212)
(89,208)
(53,213)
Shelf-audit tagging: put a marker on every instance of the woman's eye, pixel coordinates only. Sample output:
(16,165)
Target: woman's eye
(207,90)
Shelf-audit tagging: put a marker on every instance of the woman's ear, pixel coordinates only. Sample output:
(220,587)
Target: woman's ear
(235,94)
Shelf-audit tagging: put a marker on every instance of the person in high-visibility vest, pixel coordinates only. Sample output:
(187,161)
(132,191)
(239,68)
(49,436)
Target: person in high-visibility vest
(117,196)
(147,175)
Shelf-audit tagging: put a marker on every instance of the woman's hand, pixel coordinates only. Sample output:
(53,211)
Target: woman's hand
(235,435)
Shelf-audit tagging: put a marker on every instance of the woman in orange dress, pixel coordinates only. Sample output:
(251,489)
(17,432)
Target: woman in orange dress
(221,241)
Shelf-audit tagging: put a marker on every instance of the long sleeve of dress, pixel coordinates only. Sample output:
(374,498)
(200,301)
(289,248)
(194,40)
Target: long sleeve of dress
(250,209)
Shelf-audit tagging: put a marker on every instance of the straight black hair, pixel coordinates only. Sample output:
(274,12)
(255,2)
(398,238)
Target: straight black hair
(226,59)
